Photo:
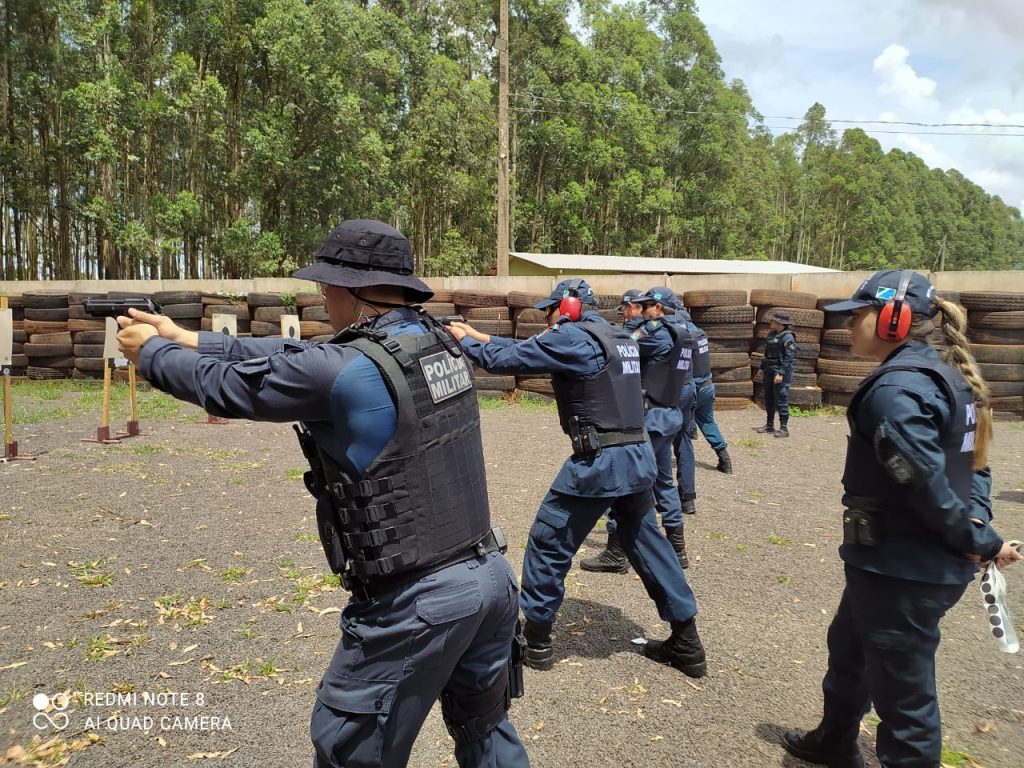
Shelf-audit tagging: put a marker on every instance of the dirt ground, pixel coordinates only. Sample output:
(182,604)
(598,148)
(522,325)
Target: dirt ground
(184,561)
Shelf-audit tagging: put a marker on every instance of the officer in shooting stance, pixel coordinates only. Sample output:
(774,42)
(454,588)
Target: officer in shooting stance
(704,404)
(595,370)
(777,369)
(391,429)
(666,352)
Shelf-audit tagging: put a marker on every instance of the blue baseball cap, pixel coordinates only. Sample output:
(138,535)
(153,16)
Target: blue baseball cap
(632,296)
(882,287)
(662,295)
(566,288)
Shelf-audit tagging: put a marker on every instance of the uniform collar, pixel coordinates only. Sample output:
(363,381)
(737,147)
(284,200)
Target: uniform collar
(393,317)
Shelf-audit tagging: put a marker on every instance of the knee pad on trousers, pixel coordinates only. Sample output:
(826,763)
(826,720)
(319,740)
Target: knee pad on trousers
(471,718)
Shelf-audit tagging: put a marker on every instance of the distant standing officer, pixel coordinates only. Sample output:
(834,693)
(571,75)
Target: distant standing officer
(595,372)
(704,407)
(392,432)
(665,375)
(777,365)
(917,522)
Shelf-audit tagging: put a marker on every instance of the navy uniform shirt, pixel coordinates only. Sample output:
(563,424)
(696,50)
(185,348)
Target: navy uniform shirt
(567,349)
(914,405)
(336,391)
(656,344)
(788,351)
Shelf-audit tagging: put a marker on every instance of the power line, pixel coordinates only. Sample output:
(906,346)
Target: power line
(972,134)
(670,110)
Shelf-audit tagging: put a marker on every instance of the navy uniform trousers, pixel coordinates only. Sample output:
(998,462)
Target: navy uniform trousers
(704,415)
(449,632)
(563,523)
(686,462)
(776,396)
(881,650)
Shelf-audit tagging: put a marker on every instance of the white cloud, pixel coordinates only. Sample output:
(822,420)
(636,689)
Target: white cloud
(900,81)
(966,65)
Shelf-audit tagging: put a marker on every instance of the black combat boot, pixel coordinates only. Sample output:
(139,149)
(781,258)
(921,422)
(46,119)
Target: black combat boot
(682,650)
(539,653)
(612,559)
(814,747)
(689,506)
(677,539)
(769,427)
(724,462)
(783,428)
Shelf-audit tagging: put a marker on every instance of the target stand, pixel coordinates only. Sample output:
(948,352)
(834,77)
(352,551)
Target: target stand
(6,359)
(132,428)
(103,431)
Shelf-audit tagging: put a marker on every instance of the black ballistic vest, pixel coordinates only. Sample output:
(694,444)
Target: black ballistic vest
(423,500)
(612,398)
(663,380)
(865,478)
(774,347)
(701,354)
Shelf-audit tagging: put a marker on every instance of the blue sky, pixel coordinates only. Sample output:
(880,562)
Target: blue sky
(930,61)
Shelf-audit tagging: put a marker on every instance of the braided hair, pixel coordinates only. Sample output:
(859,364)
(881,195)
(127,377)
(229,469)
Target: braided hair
(956,352)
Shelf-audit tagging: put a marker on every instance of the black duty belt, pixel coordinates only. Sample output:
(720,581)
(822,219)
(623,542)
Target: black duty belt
(621,437)
(494,541)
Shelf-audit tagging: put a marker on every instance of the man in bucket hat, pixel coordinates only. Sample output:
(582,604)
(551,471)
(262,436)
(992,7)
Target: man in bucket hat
(434,603)
(777,368)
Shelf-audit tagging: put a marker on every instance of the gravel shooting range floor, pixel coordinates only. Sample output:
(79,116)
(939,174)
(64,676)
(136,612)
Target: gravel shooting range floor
(184,562)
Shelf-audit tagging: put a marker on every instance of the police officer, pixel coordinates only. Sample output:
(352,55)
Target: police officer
(777,368)
(665,361)
(917,522)
(595,371)
(704,406)
(392,432)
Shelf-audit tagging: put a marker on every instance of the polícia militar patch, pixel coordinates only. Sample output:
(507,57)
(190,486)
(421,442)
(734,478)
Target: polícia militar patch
(446,375)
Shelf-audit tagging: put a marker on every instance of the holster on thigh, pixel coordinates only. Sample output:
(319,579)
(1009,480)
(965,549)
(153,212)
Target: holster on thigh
(634,505)
(470,718)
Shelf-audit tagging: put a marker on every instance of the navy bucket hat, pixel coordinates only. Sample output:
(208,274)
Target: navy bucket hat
(359,253)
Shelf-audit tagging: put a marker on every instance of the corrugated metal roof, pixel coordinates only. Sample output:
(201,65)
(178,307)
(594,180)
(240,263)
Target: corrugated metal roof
(590,262)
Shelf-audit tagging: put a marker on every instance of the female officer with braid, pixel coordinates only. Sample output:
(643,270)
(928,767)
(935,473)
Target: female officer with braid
(916,525)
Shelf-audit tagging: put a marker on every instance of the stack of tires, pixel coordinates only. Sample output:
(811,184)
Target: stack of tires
(49,351)
(995,328)
(19,360)
(727,319)
(87,334)
(839,371)
(264,313)
(314,324)
(185,308)
(489,313)
(440,304)
(807,321)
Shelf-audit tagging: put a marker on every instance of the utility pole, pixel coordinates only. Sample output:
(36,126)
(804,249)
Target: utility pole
(501,43)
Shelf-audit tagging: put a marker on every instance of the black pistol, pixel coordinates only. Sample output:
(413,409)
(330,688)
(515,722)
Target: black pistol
(449,319)
(116,307)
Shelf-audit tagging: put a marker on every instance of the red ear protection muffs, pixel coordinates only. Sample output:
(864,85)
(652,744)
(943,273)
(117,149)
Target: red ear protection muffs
(571,306)
(894,318)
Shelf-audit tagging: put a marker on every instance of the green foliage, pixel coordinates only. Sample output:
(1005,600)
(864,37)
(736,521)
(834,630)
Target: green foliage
(223,139)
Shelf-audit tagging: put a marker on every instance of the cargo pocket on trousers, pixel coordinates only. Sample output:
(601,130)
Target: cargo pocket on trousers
(548,528)
(349,728)
(449,604)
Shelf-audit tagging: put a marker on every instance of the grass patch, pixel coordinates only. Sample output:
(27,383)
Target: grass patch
(492,403)
(779,541)
(158,406)
(101,648)
(250,670)
(233,574)
(193,611)
(818,410)
(38,415)
(307,537)
(91,574)
(758,495)
(741,548)
(956,758)
(717,536)
(751,442)
(295,474)
(786,581)
(12,695)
